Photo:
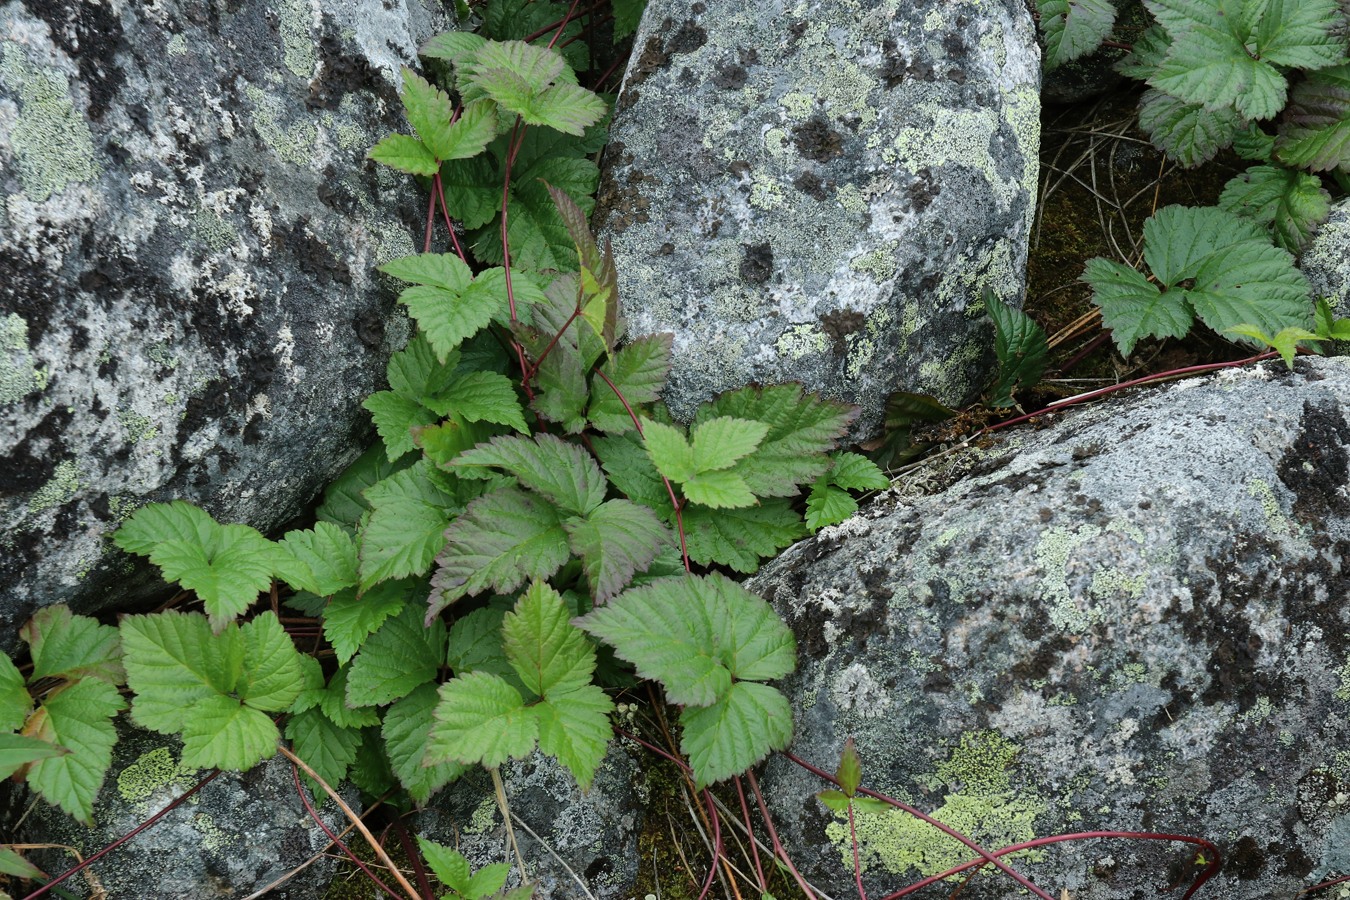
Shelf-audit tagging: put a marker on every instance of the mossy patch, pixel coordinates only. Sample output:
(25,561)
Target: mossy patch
(53,144)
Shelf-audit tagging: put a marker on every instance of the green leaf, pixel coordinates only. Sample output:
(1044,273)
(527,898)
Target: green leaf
(739,538)
(563,472)
(615,540)
(1146,54)
(1292,203)
(1021,347)
(720,443)
(64,645)
(449,865)
(224,734)
(271,677)
(1073,28)
(473,190)
(407,727)
(1187,132)
(855,472)
(174,662)
(482,397)
(532,68)
(156,523)
(1254,144)
(736,732)
(327,748)
(343,502)
(1251,283)
(333,701)
(503,539)
(349,619)
(404,153)
(447,318)
(627,15)
(670,452)
(720,490)
(456,47)
(1316,133)
(476,645)
(827,505)
(442,270)
(1133,307)
(327,554)
(15,701)
(547,651)
(406,527)
(311,685)
(836,801)
(1212,68)
(397,658)
(395,416)
(568,108)
(629,467)
(227,572)
(78,717)
(481,719)
(11,863)
(849,773)
(507,19)
(574,727)
(802,428)
(429,111)
(17,751)
(1178,240)
(534,83)
(639,371)
(470,134)
(370,772)
(1301,34)
(1285,343)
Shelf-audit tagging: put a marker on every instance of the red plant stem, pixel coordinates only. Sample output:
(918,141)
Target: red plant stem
(563,24)
(313,814)
(944,828)
(560,24)
(1147,379)
(750,830)
(1204,876)
(414,857)
(439,188)
(600,82)
(177,801)
(718,851)
(773,837)
(1083,354)
(431,222)
(534,370)
(674,501)
(1326,884)
(857,862)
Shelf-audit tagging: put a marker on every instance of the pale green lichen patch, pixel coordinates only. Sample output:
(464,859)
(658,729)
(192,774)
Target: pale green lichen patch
(213,836)
(18,376)
(797,341)
(1261,491)
(1343,692)
(879,263)
(153,771)
(138,427)
(981,803)
(63,485)
(177,46)
(295,143)
(484,818)
(50,138)
(297,42)
(1053,551)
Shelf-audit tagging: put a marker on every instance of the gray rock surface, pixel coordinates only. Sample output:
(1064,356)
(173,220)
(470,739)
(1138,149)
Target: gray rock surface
(235,836)
(822,191)
(582,842)
(1326,262)
(1136,618)
(187,303)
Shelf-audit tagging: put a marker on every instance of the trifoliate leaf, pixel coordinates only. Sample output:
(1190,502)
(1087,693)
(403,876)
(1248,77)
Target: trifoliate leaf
(1285,343)
(455,47)
(429,111)
(406,729)
(174,663)
(442,270)
(1187,132)
(548,652)
(404,153)
(739,538)
(17,751)
(349,619)
(507,19)
(1212,68)
(615,540)
(751,639)
(224,734)
(1316,134)
(327,555)
(476,644)
(64,645)
(629,467)
(401,655)
(328,749)
(470,134)
(482,397)
(802,429)
(481,719)
(574,727)
(78,717)
(503,540)
(343,503)
(670,451)
(855,472)
(828,505)
(406,527)
(156,523)
(533,68)
(639,371)
(1179,239)
(1073,28)
(15,701)
(1133,307)
(339,711)
(720,490)
(563,472)
(1021,347)
(1292,203)
(447,318)
(227,572)
(449,865)
(736,732)
(836,801)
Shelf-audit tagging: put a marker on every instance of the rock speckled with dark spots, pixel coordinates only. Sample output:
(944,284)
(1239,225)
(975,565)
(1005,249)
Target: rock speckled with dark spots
(885,151)
(188,307)
(1136,618)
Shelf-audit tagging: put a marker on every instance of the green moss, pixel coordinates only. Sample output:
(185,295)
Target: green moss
(984,806)
(18,376)
(484,818)
(63,485)
(50,138)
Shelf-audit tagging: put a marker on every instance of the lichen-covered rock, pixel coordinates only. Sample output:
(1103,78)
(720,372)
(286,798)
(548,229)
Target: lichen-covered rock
(235,836)
(187,303)
(1326,262)
(822,191)
(1134,619)
(575,843)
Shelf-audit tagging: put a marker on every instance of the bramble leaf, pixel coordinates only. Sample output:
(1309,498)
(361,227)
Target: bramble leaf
(441,270)
(473,191)
(404,153)
(64,645)
(406,729)
(349,619)
(1316,134)
(1021,347)
(455,47)
(1187,132)
(481,719)
(1251,283)
(476,645)
(328,749)
(406,527)
(503,540)
(828,505)
(343,502)
(547,651)
(396,659)
(615,540)
(17,751)
(849,773)
(156,523)
(739,538)
(227,571)
(1292,203)
(395,416)
(482,397)
(174,662)
(78,717)
(328,555)
(670,452)
(1073,28)
(720,443)
(224,734)
(639,371)
(334,703)
(630,469)
(1146,54)
(15,701)
(1133,307)
(470,134)
(574,727)
(271,676)
(855,472)
(563,472)
(736,732)
(429,111)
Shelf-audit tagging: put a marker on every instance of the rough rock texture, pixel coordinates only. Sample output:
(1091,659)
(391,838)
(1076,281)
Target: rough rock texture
(187,302)
(1136,618)
(233,837)
(822,191)
(1326,262)
(581,842)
